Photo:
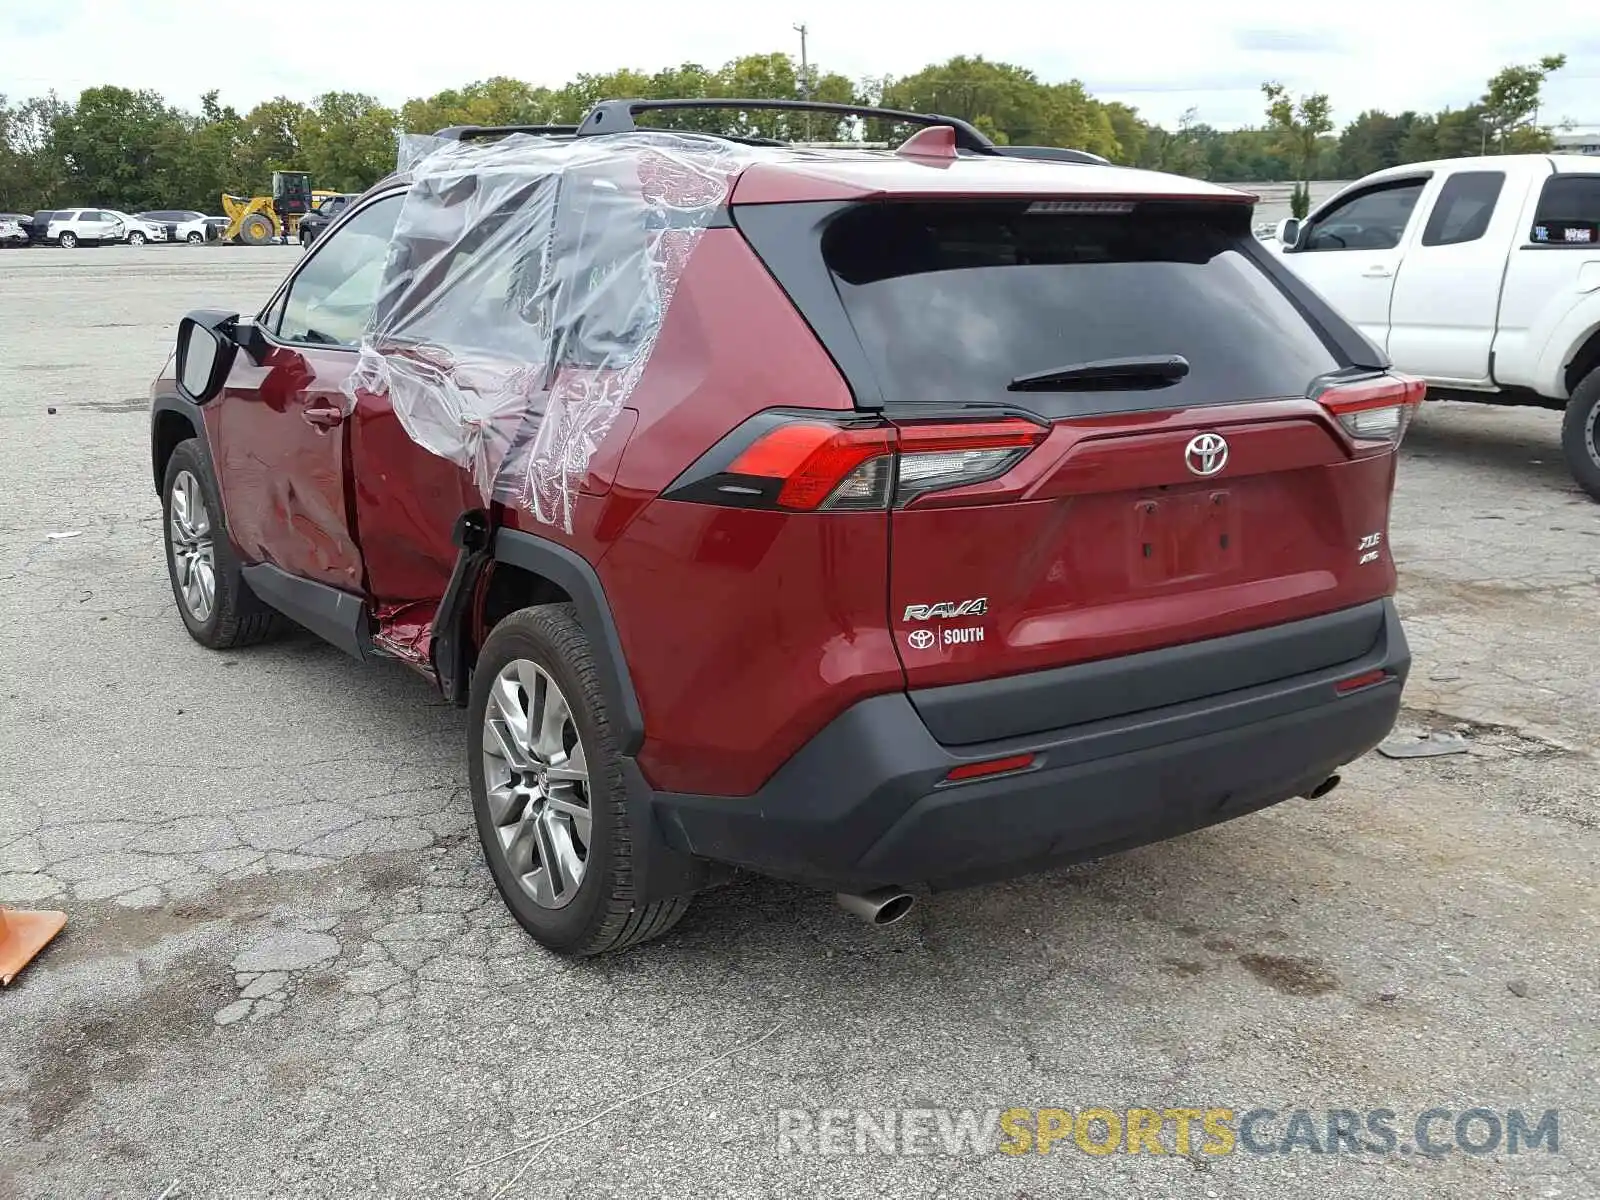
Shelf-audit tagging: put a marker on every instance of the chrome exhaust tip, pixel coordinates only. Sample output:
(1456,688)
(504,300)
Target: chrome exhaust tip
(1323,788)
(883,906)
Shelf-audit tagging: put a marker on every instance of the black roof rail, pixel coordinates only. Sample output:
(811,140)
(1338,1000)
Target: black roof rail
(463,133)
(616,116)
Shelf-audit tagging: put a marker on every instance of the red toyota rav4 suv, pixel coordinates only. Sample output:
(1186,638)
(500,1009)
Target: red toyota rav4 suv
(875,519)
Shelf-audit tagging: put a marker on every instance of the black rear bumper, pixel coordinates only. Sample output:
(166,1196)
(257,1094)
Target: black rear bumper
(865,803)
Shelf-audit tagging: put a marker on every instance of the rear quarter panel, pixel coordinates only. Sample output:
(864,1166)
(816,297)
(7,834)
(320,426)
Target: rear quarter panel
(745,631)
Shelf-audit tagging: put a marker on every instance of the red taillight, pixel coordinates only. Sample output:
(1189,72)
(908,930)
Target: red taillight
(993,766)
(811,459)
(806,465)
(1012,432)
(1375,410)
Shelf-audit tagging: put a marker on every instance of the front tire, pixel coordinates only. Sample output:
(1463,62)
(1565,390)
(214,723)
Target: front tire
(137,239)
(68,240)
(1580,433)
(256,230)
(217,606)
(547,789)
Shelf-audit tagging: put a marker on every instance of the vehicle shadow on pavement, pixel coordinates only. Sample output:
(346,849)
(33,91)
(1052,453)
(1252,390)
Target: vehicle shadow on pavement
(1524,444)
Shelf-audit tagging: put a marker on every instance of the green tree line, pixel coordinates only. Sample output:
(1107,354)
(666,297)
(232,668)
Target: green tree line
(133,150)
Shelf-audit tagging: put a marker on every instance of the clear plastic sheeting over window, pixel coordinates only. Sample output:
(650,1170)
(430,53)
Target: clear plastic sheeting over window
(525,288)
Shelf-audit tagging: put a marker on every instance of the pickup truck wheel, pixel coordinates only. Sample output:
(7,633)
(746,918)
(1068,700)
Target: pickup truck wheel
(547,789)
(217,606)
(1580,433)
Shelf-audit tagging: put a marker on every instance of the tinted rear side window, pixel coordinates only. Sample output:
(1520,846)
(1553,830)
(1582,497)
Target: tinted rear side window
(1569,212)
(952,302)
(1465,205)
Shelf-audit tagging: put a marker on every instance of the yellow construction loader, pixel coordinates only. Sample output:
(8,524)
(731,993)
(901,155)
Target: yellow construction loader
(257,220)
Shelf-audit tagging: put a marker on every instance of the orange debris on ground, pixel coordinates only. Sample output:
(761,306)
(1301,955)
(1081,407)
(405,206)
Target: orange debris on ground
(22,935)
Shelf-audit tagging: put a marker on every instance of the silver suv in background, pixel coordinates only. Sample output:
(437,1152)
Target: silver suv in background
(136,231)
(182,225)
(14,229)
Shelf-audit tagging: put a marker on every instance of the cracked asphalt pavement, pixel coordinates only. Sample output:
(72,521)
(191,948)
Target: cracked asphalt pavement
(287,973)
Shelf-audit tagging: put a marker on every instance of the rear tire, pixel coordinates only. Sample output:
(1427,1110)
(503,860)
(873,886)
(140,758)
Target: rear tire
(546,647)
(1580,433)
(223,612)
(195,239)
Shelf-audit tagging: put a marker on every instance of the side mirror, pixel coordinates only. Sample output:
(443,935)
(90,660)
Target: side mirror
(205,353)
(1289,232)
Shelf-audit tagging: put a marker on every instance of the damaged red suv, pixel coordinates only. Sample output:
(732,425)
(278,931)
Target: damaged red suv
(880,520)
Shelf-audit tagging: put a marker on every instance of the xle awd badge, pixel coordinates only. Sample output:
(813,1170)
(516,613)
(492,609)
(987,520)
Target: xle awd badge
(1206,454)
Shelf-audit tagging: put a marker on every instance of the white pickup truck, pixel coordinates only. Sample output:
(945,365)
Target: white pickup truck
(1481,275)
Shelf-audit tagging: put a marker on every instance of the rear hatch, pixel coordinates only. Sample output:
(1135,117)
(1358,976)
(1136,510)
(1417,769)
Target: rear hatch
(1175,483)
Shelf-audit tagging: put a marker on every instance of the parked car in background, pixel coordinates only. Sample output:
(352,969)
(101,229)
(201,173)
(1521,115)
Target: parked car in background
(70,227)
(14,229)
(182,225)
(136,230)
(215,226)
(1481,275)
(324,214)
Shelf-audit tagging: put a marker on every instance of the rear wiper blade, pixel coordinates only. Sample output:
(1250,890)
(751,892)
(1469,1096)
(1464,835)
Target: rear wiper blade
(1145,371)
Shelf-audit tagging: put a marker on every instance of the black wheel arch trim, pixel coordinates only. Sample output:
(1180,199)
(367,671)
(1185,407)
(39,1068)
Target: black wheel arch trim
(173,402)
(572,573)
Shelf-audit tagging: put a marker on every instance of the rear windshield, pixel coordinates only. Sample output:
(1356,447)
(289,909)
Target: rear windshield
(952,302)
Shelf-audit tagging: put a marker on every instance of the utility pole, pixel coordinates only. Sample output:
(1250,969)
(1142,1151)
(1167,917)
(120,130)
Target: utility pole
(805,73)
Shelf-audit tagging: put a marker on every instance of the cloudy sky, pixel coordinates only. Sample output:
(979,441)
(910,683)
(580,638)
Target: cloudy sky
(1163,56)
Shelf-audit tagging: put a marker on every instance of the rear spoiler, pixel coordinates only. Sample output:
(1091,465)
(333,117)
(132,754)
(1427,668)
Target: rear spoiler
(1052,154)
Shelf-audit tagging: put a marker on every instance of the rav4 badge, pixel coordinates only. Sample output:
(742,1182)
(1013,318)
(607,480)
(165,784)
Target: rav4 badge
(947,608)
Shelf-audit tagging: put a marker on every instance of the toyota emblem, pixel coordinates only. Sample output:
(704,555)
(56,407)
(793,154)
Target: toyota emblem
(920,639)
(1206,453)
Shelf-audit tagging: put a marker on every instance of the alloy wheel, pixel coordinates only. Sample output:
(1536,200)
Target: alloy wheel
(536,775)
(194,561)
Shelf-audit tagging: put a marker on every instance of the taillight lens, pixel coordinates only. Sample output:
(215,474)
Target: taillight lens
(806,464)
(934,457)
(1375,410)
(815,462)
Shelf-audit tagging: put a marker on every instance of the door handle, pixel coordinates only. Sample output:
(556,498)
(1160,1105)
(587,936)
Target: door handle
(1377,271)
(325,417)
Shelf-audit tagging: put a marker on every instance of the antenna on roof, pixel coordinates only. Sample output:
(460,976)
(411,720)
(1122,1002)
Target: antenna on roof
(936,141)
